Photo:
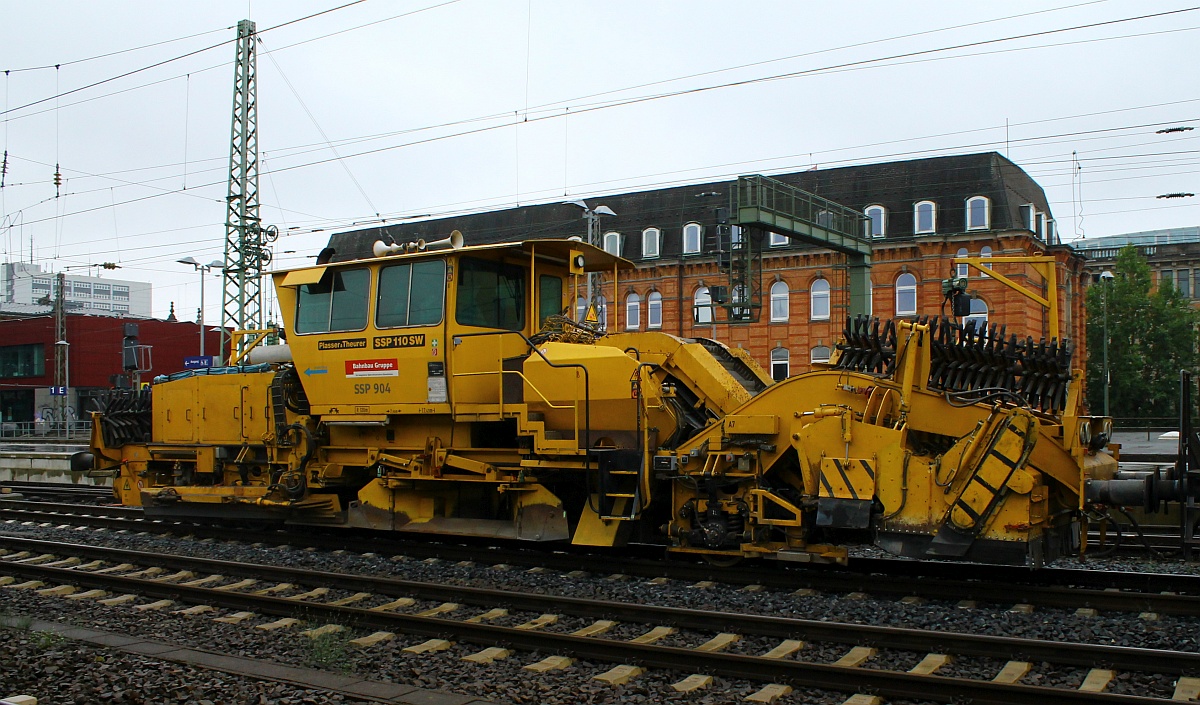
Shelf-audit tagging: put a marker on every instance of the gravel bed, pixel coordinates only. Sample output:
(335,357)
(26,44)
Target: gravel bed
(503,681)
(1046,624)
(61,672)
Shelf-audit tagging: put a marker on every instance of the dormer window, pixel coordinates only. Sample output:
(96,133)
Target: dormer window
(650,243)
(924,218)
(612,243)
(876,221)
(978,213)
(777,240)
(691,238)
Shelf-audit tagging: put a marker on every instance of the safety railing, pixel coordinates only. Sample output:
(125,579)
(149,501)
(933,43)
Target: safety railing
(48,430)
(779,198)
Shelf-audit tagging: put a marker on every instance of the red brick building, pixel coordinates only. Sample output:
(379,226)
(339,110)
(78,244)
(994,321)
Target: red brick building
(920,214)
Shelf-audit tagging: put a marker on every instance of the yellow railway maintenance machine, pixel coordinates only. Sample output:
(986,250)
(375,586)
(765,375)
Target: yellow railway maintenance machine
(439,389)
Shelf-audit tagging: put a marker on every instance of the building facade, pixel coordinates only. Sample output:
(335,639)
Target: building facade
(24,284)
(920,214)
(1173,255)
(94,359)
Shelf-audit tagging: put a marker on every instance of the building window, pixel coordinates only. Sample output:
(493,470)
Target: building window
(962,270)
(985,251)
(1166,279)
(692,233)
(612,243)
(1051,232)
(978,213)
(633,312)
(819,295)
(924,217)
(650,240)
(1027,217)
(1183,278)
(779,301)
(735,236)
(825,219)
(1040,226)
(777,240)
(978,317)
(780,366)
(702,306)
(820,354)
(23,360)
(581,306)
(876,221)
(654,310)
(906,295)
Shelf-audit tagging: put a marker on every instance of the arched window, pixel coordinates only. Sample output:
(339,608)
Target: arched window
(906,295)
(819,295)
(876,221)
(633,312)
(978,213)
(962,270)
(986,251)
(580,309)
(779,301)
(979,315)
(924,217)
(612,243)
(650,240)
(702,306)
(692,233)
(602,312)
(820,354)
(780,365)
(654,310)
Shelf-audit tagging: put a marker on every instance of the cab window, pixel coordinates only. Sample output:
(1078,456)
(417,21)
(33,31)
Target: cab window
(411,294)
(549,297)
(336,303)
(490,294)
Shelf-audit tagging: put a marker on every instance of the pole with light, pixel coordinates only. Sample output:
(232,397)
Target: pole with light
(204,269)
(1106,278)
(592,215)
(64,399)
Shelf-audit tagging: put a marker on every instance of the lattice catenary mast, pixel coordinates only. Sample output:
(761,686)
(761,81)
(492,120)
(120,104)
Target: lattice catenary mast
(245,239)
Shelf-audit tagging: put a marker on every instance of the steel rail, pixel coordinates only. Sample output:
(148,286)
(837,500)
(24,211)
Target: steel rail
(837,678)
(1067,653)
(1047,587)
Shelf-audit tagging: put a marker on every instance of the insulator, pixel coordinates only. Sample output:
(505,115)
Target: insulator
(57,181)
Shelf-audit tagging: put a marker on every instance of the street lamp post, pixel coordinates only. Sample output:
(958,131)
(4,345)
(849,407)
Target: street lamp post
(1106,278)
(592,215)
(203,269)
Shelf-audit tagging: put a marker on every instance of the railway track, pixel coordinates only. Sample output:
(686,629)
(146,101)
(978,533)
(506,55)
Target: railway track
(678,639)
(1160,593)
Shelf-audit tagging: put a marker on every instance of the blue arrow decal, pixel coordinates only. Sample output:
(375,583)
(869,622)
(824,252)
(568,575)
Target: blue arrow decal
(316,370)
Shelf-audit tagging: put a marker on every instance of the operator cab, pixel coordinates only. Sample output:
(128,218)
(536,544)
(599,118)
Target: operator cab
(427,331)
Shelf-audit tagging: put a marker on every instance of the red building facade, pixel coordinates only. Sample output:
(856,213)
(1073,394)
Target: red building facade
(94,359)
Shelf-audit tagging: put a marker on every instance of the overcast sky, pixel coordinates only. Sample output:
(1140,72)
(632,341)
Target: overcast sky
(443,106)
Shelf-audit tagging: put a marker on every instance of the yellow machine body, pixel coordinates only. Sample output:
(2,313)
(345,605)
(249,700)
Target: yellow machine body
(442,391)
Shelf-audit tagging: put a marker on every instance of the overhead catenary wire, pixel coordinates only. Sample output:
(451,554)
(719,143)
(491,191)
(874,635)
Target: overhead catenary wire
(296,166)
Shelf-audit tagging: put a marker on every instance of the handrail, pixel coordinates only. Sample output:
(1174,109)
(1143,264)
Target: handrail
(587,384)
